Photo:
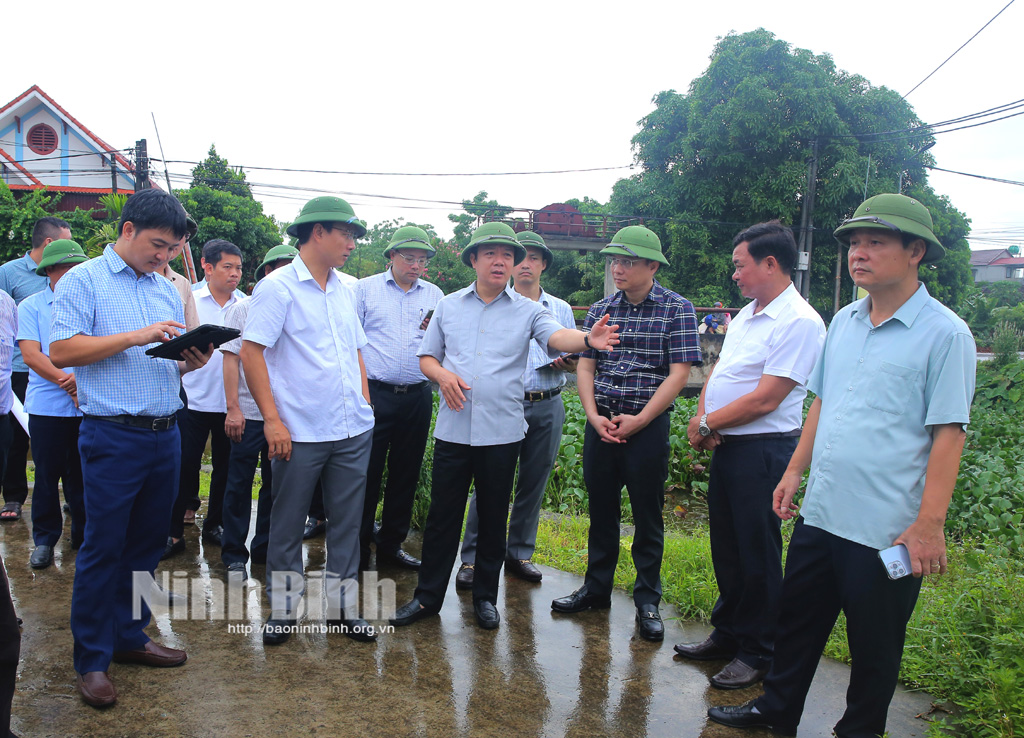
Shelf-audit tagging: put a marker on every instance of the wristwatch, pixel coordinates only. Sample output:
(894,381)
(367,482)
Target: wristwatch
(704,430)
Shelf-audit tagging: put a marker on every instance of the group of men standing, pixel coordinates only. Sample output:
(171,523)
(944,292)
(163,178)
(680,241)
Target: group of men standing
(331,381)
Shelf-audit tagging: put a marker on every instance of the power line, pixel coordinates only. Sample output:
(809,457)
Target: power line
(406,174)
(978,176)
(958,50)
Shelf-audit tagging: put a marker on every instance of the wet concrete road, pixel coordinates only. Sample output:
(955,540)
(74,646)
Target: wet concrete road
(539,674)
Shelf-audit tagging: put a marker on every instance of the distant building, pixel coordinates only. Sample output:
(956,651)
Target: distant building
(43,147)
(996,265)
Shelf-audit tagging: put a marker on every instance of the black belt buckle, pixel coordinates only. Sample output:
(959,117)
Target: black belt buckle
(160,424)
(400,389)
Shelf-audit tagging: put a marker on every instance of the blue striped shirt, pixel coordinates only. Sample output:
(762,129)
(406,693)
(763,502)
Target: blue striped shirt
(18,279)
(8,330)
(104,297)
(391,319)
(536,379)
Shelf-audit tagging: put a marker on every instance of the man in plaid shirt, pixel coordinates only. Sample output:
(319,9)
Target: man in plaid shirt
(627,394)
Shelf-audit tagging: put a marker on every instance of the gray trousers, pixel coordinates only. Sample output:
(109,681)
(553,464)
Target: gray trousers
(537,455)
(341,467)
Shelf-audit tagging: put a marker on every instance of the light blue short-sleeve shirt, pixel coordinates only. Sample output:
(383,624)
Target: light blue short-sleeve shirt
(42,397)
(883,389)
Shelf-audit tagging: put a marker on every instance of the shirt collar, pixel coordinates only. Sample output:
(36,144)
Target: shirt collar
(389,277)
(774,308)
(907,312)
(30,263)
(657,294)
(302,273)
(508,292)
(117,264)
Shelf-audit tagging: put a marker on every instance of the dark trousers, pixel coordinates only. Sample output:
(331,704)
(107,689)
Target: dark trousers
(15,478)
(746,544)
(245,455)
(131,481)
(10,633)
(826,574)
(641,464)
(401,425)
(491,470)
(195,430)
(55,452)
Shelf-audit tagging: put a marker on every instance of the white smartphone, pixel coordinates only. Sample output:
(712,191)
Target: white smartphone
(896,560)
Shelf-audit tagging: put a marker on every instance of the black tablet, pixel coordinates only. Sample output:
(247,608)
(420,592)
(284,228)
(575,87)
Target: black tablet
(200,338)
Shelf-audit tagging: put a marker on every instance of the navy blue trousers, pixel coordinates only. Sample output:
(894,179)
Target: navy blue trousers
(55,453)
(131,481)
(238,497)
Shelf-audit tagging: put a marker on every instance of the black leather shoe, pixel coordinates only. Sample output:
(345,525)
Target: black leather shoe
(648,619)
(313,528)
(737,675)
(706,650)
(355,628)
(276,632)
(214,534)
(743,716)
(173,548)
(41,557)
(410,612)
(523,569)
(486,615)
(236,569)
(398,558)
(581,600)
(464,579)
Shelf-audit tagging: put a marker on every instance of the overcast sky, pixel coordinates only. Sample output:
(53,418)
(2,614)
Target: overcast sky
(486,87)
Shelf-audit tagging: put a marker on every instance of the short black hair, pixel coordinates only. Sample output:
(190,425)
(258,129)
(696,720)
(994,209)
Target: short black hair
(770,239)
(215,249)
(48,227)
(154,209)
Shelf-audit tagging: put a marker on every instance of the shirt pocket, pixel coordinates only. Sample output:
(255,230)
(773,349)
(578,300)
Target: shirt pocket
(892,389)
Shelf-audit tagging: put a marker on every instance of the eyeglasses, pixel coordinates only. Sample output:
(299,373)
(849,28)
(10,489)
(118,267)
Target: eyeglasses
(346,230)
(615,261)
(417,260)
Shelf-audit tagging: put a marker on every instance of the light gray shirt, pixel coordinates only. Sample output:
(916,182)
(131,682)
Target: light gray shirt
(487,345)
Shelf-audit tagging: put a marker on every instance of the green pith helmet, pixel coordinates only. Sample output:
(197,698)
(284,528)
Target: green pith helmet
(410,237)
(191,227)
(281,251)
(529,238)
(61,251)
(327,210)
(493,234)
(636,241)
(896,214)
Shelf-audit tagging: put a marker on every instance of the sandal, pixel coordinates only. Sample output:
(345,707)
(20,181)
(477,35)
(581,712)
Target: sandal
(10,512)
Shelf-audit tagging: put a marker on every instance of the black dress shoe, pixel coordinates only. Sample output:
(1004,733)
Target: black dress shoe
(355,628)
(743,716)
(464,579)
(486,614)
(313,528)
(648,619)
(276,632)
(737,675)
(213,534)
(398,558)
(523,569)
(41,557)
(173,548)
(237,569)
(410,612)
(706,650)
(581,600)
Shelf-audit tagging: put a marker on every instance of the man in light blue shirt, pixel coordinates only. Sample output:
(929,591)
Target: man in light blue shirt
(106,313)
(394,308)
(53,415)
(883,438)
(545,415)
(18,279)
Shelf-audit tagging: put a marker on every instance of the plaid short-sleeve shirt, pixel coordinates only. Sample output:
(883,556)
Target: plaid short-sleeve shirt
(660,331)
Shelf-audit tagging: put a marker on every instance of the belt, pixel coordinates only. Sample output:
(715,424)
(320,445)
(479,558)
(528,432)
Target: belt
(147,422)
(760,436)
(546,394)
(398,389)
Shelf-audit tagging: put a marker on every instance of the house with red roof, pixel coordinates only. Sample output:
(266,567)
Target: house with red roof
(997,265)
(42,146)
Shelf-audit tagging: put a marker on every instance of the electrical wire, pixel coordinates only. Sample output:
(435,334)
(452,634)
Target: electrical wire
(978,176)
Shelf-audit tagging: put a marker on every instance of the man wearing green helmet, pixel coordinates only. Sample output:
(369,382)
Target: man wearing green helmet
(475,349)
(883,438)
(394,309)
(627,396)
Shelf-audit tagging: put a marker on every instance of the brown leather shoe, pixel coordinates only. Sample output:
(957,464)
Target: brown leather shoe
(737,675)
(152,654)
(96,688)
(523,569)
(464,579)
(706,650)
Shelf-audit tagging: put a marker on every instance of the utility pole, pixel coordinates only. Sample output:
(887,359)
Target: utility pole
(113,173)
(807,222)
(141,166)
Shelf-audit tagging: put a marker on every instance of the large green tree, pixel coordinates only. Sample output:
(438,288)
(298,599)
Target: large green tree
(734,150)
(19,213)
(475,209)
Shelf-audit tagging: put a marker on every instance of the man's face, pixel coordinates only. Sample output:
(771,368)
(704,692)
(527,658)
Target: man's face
(631,274)
(878,258)
(338,241)
(493,265)
(407,265)
(275,265)
(225,275)
(528,271)
(750,276)
(148,250)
